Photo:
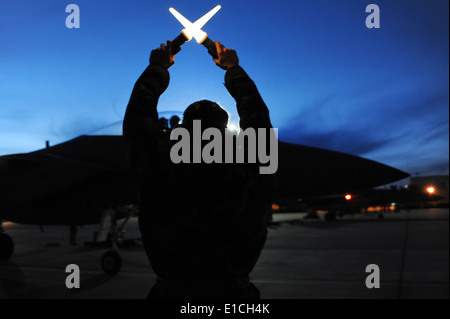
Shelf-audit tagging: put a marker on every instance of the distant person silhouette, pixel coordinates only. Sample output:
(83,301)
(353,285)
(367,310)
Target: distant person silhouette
(174,121)
(163,124)
(203,225)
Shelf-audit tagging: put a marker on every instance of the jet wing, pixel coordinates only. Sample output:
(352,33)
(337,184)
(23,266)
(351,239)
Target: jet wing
(306,171)
(91,173)
(73,177)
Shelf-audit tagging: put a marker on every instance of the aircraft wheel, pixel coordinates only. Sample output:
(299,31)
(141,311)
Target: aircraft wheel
(6,247)
(111,262)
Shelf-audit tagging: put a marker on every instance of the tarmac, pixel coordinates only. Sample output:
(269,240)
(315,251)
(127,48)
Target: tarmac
(302,259)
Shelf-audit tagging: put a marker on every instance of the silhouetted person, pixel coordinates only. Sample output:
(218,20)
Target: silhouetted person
(163,124)
(73,234)
(174,121)
(203,225)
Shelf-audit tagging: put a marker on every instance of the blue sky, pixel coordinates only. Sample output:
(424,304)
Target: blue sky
(327,79)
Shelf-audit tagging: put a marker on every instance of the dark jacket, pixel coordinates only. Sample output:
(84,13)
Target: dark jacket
(199,222)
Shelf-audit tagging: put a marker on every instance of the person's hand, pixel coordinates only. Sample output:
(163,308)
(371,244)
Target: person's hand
(163,55)
(227,58)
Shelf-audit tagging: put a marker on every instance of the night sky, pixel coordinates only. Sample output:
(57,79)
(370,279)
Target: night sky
(327,79)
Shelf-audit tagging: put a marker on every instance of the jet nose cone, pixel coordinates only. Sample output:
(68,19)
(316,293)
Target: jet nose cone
(398,174)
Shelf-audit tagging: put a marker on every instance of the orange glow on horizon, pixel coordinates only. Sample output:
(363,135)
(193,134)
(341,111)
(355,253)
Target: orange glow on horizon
(7,224)
(373,209)
(348,197)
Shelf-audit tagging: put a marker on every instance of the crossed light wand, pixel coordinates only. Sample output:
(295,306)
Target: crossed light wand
(194,30)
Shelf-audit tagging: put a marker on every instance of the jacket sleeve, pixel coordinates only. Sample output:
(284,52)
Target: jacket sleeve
(140,125)
(251,108)
(250,230)
(141,115)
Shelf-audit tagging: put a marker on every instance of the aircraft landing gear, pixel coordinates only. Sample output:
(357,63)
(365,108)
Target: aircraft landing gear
(111,262)
(109,234)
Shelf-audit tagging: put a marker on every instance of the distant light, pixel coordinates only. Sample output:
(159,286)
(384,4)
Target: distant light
(275,207)
(431,190)
(406,186)
(7,224)
(348,197)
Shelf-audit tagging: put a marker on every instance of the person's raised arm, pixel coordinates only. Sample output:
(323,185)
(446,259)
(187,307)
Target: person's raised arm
(252,110)
(141,114)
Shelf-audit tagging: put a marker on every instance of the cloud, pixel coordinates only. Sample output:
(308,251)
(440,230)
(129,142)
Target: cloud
(408,130)
(343,140)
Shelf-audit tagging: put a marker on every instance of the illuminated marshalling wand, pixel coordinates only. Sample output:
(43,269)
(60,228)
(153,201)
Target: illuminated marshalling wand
(194,30)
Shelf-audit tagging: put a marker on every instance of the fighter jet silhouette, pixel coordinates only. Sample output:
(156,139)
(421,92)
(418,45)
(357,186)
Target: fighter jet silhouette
(87,180)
